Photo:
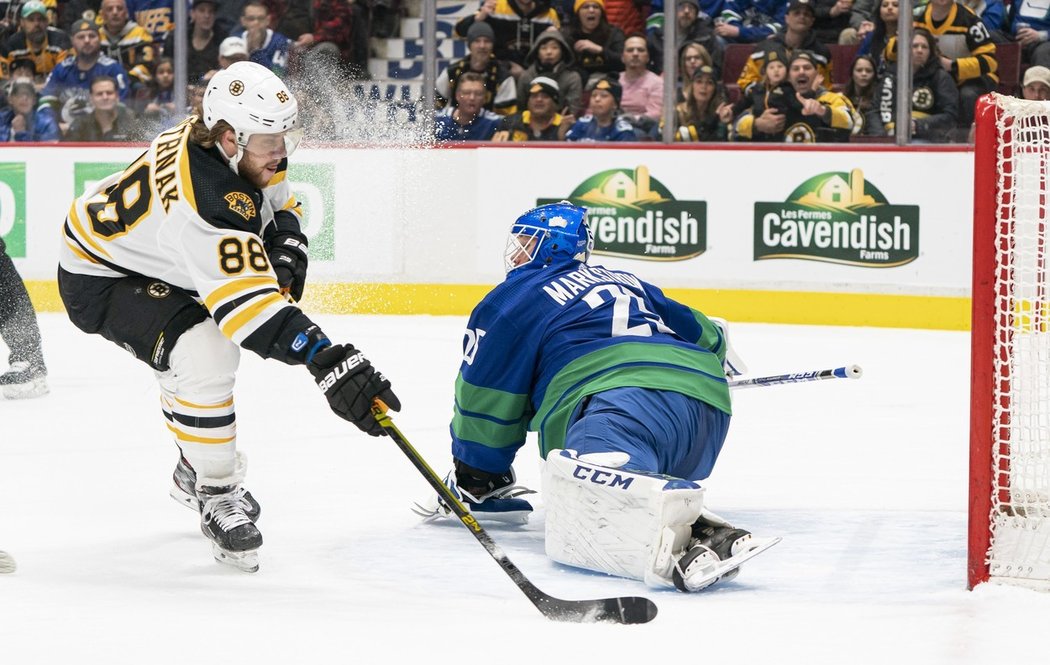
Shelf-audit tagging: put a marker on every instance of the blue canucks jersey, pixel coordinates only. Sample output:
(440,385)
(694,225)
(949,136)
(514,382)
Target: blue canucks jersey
(273,54)
(546,338)
(587,129)
(480,128)
(67,81)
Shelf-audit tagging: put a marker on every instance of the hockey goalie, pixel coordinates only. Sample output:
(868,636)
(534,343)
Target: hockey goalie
(627,392)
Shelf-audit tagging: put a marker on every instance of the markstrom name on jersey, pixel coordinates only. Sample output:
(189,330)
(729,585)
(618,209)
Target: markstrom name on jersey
(837,218)
(633,215)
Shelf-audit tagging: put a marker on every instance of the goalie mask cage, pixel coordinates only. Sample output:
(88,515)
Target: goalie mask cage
(1009,516)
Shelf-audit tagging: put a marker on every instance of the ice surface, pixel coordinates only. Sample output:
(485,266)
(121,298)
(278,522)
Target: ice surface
(865,480)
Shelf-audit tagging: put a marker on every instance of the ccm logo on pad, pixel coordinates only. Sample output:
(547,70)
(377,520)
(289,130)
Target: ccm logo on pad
(601,477)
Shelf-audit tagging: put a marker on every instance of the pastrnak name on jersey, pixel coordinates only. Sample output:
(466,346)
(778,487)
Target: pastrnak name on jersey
(170,145)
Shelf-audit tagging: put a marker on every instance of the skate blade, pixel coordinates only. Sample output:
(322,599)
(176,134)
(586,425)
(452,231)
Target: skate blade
(35,388)
(757,546)
(184,499)
(244,561)
(431,513)
(7,563)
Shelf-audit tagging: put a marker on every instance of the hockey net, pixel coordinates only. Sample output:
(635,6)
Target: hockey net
(1009,522)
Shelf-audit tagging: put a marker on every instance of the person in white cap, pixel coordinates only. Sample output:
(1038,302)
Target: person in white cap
(231,50)
(1036,83)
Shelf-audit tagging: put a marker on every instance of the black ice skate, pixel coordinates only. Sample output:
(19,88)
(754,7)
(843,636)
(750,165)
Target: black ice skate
(235,539)
(184,480)
(715,554)
(23,381)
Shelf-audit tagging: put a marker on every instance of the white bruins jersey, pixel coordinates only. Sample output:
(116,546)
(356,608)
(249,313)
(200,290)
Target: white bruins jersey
(178,213)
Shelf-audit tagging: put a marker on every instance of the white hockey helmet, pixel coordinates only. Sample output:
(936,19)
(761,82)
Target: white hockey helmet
(253,100)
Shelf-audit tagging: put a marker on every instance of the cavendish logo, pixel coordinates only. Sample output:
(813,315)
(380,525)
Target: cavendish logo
(236,88)
(838,217)
(241,204)
(158,290)
(634,216)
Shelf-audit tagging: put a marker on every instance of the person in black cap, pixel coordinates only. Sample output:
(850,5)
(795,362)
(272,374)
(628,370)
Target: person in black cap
(697,118)
(797,35)
(604,122)
(501,94)
(516,25)
(541,120)
(67,87)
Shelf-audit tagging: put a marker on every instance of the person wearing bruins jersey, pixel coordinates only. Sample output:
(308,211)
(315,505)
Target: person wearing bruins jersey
(35,41)
(190,253)
(934,97)
(967,50)
(797,35)
(541,120)
(804,112)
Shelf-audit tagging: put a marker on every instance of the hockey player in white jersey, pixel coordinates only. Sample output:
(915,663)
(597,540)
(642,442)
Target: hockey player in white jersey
(192,252)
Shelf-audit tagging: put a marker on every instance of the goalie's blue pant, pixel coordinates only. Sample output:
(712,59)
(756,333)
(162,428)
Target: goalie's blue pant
(663,431)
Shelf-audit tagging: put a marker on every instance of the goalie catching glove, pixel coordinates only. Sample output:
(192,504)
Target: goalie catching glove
(491,497)
(287,255)
(351,385)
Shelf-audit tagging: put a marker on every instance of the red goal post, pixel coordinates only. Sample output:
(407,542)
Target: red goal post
(1009,511)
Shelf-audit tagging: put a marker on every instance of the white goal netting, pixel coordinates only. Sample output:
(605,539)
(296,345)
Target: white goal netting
(1020,474)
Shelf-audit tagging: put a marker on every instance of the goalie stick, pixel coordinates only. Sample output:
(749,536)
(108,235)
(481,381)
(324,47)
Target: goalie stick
(624,610)
(847,372)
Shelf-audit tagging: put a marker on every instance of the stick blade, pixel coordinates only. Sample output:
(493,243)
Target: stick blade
(626,610)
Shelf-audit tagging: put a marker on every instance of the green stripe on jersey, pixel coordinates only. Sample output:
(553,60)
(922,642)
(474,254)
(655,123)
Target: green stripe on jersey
(644,365)
(503,412)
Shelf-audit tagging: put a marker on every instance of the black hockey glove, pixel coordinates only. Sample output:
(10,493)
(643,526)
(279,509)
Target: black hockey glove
(351,385)
(288,257)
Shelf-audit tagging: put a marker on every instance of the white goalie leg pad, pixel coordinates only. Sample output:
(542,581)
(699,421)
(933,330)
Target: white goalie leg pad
(197,398)
(605,519)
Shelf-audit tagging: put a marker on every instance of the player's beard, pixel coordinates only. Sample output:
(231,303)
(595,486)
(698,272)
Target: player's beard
(256,170)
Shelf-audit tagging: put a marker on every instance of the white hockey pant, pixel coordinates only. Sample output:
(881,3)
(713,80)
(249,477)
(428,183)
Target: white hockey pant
(197,399)
(603,518)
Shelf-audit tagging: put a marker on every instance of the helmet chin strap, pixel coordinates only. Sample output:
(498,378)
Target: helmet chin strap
(235,160)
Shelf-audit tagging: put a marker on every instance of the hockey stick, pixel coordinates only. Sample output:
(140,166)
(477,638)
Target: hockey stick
(848,372)
(626,610)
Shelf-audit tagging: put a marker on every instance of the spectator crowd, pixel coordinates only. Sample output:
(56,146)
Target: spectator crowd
(103,70)
(813,70)
(538,70)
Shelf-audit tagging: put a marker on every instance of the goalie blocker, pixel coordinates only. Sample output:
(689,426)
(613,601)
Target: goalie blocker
(648,527)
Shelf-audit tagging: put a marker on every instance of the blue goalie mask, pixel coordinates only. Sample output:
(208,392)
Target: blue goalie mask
(550,235)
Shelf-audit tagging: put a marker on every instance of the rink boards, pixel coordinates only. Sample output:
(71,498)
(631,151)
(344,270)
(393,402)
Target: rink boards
(876,236)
